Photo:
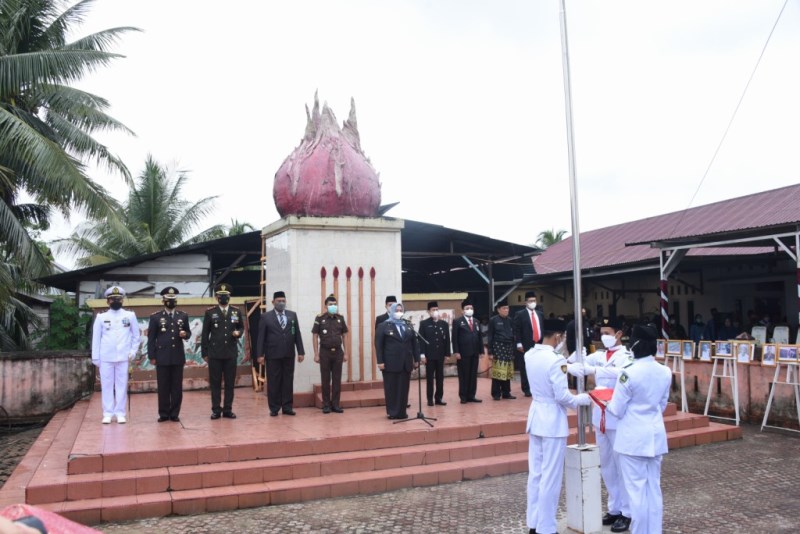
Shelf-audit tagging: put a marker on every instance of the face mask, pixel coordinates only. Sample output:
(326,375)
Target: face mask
(115,305)
(280,306)
(608,341)
(223,299)
(468,313)
(435,315)
(333,308)
(398,315)
(531,305)
(171,304)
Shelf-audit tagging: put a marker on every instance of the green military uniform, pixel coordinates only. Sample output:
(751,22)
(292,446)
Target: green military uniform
(330,328)
(220,348)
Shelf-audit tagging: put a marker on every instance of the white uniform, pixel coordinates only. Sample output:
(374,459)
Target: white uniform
(548,430)
(639,400)
(607,370)
(115,340)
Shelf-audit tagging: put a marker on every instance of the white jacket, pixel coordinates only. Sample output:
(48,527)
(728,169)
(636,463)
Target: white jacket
(115,336)
(547,374)
(607,372)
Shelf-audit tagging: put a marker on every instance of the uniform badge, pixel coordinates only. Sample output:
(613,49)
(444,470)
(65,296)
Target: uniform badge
(324,331)
(163,324)
(126,322)
(564,369)
(623,378)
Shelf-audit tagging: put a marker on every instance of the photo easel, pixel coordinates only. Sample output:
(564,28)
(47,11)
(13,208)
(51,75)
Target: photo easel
(792,379)
(678,369)
(729,372)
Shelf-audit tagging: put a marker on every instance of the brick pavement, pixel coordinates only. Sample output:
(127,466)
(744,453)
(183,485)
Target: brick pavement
(14,444)
(747,486)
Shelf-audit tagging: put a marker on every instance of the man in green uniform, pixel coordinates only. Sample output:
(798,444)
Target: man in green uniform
(222,327)
(329,337)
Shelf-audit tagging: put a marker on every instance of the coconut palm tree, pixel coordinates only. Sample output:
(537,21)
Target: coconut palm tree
(155,217)
(549,237)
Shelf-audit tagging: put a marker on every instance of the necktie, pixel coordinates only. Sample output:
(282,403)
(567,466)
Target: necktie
(401,328)
(535,326)
(282,319)
(609,354)
(470,324)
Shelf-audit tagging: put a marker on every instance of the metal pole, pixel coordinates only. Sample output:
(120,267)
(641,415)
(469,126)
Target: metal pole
(573,193)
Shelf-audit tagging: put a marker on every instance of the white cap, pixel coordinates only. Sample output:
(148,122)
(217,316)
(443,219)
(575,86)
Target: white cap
(114,291)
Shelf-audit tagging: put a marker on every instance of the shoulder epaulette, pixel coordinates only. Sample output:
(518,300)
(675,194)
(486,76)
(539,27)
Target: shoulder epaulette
(156,313)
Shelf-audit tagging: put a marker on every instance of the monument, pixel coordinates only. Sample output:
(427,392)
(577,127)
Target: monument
(331,239)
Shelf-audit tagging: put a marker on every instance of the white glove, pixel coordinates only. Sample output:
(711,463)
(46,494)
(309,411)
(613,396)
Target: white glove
(589,370)
(576,369)
(131,356)
(583,399)
(574,355)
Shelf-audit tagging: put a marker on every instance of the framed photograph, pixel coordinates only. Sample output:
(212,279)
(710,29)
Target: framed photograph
(705,350)
(687,350)
(724,349)
(787,353)
(673,347)
(744,351)
(768,355)
(661,348)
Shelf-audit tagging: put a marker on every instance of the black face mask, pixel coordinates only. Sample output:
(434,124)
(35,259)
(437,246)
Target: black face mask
(115,305)
(223,299)
(171,304)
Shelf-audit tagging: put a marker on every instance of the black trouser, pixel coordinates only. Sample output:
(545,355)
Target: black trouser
(219,370)
(330,369)
(467,376)
(396,389)
(519,363)
(280,383)
(501,388)
(170,389)
(435,369)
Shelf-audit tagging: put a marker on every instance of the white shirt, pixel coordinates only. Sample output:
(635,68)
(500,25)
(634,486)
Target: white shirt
(115,336)
(547,375)
(640,397)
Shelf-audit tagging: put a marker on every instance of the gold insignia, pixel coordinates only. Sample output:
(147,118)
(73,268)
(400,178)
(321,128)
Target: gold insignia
(623,378)
(115,291)
(564,369)
(171,291)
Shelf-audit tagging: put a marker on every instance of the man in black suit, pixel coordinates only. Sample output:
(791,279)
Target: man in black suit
(165,334)
(391,299)
(278,335)
(467,349)
(397,352)
(437,334)
(527,332)
(219,344)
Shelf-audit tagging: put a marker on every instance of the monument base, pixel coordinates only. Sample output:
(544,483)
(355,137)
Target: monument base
(583,498)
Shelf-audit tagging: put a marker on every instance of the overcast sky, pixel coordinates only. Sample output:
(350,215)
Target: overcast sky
(460,103)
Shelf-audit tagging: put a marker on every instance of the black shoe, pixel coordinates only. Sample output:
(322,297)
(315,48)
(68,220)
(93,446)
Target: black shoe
(509,397)
(495,398)
(289,412)
(216,415)
(175,419)
(528,394)
(475,400)
(430,403)
(391,417)
(441,403)
(273,413)
(162,419)
(337,409)
(610,519)
(326,409)
(622,524)
(229,415)
(402,416)
(531,531)
(463,401)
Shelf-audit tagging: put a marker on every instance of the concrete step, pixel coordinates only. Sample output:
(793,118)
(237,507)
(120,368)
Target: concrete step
(363,398)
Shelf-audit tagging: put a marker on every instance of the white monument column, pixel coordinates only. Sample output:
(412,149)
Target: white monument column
(302,256)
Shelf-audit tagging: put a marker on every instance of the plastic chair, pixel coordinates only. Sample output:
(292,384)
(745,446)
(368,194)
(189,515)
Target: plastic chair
(781,335)
(759,333)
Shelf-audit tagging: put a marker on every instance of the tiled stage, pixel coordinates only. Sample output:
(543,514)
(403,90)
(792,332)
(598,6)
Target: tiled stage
(92,472)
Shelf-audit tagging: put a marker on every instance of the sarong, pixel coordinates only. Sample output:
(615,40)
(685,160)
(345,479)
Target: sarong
(503,364)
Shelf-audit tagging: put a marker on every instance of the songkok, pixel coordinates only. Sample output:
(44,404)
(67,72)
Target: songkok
(530,295)
(502,303)
(278,295)
(433,304)
(553,326)
(465,303)
(611,322)
(390,299)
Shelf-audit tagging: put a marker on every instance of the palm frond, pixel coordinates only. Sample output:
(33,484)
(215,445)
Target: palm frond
(48,66)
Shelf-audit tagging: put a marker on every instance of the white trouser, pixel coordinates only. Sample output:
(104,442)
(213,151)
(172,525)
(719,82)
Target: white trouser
(612,476)
(642,478)
(114,386)
(545,473)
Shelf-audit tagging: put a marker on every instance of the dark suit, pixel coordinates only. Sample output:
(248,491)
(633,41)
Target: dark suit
(437,334)
(382,318)
(278,346)
(469,344)
(218,344)
(165,346)
(523,333)
(397,353)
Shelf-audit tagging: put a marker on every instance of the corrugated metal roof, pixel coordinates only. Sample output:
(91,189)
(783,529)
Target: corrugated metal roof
(606,247)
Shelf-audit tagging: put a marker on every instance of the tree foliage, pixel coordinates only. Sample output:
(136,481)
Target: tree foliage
(549,237)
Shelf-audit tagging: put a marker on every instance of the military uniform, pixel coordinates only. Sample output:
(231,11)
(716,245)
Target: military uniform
(165,347)
(330,329)
(437,348)
(501,349)
(219,345)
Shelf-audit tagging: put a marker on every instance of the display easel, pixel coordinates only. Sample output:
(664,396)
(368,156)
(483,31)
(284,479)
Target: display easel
(678,369)
(792,379)
(729,372)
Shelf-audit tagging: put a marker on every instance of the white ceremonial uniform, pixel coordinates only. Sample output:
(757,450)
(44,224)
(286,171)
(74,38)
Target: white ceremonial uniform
(607,371)
(115,340)
(640,397)
(548,430)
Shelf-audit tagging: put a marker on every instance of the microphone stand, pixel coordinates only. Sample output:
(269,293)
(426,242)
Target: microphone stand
(420,414)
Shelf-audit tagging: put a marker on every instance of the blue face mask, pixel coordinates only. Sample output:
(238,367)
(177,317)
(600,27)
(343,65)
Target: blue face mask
(332,309)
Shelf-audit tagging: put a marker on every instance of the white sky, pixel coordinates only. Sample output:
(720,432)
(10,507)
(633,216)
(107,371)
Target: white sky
(460,103)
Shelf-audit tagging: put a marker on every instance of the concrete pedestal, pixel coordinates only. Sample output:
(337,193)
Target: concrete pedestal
(308,258)
(582,474)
